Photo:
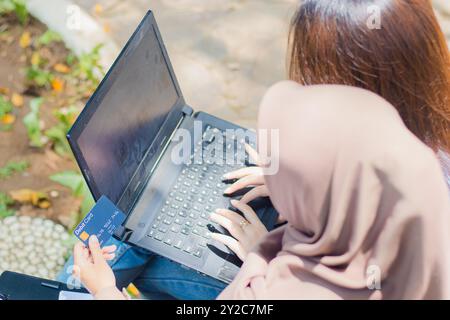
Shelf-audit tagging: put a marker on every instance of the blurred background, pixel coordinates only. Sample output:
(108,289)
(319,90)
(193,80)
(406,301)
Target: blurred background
(226,53)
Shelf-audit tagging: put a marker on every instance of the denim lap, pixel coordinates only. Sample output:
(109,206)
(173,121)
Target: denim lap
(155,276)
(165,279)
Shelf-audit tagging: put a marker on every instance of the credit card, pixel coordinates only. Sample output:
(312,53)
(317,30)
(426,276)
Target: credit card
(101,221)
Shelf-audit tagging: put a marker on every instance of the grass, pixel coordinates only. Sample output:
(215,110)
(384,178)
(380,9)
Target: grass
(38,76)
(75,182)
(57,133)
(13,167)
(33,124)
(48,37)
(6,108)
(5,201)
(15,6)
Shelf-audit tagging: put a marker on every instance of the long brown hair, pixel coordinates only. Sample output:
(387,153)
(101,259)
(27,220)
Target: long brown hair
(406,61)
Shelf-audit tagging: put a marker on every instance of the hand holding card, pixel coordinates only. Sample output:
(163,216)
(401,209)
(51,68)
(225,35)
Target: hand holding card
(92,268)
(101,221)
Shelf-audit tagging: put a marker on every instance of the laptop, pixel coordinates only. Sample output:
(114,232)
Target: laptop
(139,143)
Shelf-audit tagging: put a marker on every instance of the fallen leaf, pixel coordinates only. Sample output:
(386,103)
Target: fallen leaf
(4,90)
(61,68)
(8,119)
(57,85)
(25,40)
(36,198)
(35,59)
(98,8)
(106,28)
(17,100)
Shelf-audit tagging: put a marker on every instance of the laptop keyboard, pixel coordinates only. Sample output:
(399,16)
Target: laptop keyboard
(183,221)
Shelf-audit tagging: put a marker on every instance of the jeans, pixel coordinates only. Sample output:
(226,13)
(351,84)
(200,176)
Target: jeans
(156,277)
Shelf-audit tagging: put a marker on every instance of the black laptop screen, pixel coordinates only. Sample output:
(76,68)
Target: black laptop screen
(129,116)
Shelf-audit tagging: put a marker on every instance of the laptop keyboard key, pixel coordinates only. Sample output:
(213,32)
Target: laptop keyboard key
(178,244)
(198,252)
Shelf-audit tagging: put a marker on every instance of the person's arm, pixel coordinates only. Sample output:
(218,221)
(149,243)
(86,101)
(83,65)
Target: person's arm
(94,272)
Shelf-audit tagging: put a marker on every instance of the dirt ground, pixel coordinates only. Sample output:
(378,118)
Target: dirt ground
(14,144)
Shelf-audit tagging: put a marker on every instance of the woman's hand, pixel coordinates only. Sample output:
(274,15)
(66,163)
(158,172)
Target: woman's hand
(109,252)
(246,232)
(247,177)
(91,266)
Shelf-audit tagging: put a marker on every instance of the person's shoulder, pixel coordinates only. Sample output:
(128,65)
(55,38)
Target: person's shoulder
(444,158)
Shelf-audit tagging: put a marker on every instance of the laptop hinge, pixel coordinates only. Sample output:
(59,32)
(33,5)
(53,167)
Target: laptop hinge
(187,110)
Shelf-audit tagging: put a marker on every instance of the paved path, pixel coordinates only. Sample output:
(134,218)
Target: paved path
(225,52)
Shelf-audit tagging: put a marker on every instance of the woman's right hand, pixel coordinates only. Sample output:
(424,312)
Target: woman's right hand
(92,268)
(248,177)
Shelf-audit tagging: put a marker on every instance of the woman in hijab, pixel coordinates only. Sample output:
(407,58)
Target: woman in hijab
(394,48)
(358,225)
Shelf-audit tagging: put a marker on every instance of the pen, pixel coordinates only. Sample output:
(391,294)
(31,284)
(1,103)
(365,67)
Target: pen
(50,285)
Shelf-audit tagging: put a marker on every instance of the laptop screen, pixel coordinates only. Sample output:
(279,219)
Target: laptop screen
(129,115)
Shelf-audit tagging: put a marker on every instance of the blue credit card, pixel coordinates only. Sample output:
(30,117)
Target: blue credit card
(101,221)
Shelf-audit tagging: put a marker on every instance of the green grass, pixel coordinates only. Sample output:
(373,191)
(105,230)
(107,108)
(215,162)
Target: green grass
(33,124)
(5,108)
(17,7)
(57,133)
(48,37)
(13,167)
(75,181)
(88,66)
(40,77)
(5,201)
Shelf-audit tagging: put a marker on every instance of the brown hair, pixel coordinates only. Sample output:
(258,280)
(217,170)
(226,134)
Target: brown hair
(406,61)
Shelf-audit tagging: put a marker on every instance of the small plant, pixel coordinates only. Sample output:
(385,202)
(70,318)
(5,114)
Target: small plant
(88,66)
(38,76)
(16,6)
(75,181)
(5,202)
(13,167)
(5,113)
(48,37)
(33,124)
(57,133)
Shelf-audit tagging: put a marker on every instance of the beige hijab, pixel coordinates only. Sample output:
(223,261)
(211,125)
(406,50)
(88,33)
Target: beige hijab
(366,203)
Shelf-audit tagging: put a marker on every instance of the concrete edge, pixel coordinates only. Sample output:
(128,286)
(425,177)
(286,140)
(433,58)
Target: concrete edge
(78,29)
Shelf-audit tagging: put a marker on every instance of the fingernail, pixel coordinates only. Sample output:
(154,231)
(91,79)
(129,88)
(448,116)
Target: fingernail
(93,239)
(227,190)
(234,201)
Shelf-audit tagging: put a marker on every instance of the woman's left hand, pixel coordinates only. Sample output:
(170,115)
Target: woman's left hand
(246,232)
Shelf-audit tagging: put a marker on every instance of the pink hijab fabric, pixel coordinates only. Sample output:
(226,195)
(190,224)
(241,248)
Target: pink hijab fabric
(367,206)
